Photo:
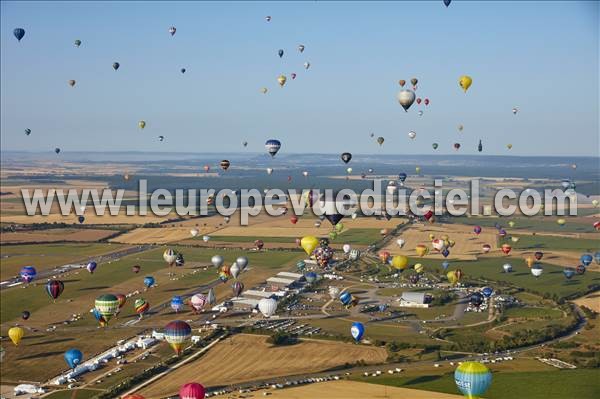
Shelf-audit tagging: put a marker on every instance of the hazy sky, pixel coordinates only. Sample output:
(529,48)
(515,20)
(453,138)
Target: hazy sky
(541,57)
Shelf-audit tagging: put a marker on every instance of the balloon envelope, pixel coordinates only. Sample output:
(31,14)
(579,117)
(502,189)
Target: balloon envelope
(73,357)
(472,379)
(357,330)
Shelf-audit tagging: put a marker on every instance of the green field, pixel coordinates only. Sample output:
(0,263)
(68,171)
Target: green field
(535,223)
(537,242)
(46,256)
(533,313)
(74,394)
(560,384)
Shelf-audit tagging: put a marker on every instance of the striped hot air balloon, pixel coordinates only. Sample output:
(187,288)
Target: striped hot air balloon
(141,306)
(107,305)
(177,333)
(54,288)
(27,274)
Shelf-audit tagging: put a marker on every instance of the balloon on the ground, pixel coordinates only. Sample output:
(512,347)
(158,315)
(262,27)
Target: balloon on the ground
(267,306)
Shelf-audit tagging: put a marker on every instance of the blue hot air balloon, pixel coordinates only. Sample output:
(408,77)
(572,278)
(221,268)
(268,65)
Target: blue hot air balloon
(98,316)
(586,259)
(148,281)
(91,267)
(402,176)
(176,303)
(445,252)
(310,277)
(472,379)
(382,307)
(597,257)
(447,3)
(27,274)
(345,297)
(19,33)
(569,272)
(357,330)
(487,292)
(81,219)
(273,146)
(445,265)
(73,357)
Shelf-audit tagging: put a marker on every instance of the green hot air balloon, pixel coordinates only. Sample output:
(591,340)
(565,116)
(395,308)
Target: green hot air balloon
(435,146)
(107,305)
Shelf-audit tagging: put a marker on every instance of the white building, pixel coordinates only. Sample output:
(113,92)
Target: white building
(24,389)
(414,300)
(280,282)
(257,294)
(295,276)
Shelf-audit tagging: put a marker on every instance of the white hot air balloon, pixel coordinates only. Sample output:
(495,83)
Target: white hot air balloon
(211,298)
(346,248)
(267,306)
(400,242)
(194,232)
(412,134)
(169,256)
(406,98)
(205,238)
(392,187)
(242,262)
(334,292)
(507,267)
(305,173)
(217,260)
(354,254)
(269,171)
(537,270)
(235,270)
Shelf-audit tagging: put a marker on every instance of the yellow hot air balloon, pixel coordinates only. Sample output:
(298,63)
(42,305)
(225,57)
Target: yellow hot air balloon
(452,277)
(465,82)
(509,146)
(418,169)
(142,124)
(511,223)
(595,203)
(264,90)
(282,79)
(421,250)
(400,262)
(309,243)
(561,222)
(515,239)
(15,334)
(419,268)
(431,236)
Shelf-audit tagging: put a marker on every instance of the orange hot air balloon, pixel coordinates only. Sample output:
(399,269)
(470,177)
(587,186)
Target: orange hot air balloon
(506,249)
(421,250)
(384,256)
(530,261)
(402,82)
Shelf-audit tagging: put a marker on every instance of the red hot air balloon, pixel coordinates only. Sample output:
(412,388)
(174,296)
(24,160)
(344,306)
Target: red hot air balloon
(426,101)
(456,146)
(419,100)
(206,168)
(506,249)
(384,256)
(192,390)
(136,268)
(259,244)
(477,230)
(538,255)
(429,216)
(294,219)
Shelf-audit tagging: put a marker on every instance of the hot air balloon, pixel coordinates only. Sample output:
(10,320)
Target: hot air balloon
(107,305)
(116,65)
(311,277)
(465,82)
(267,306)
(27,274)
(27,132)
(281,80)
(400,242)
(476,299)
(194,232)
(73,357)
(25,314)
(264,90)
(435,146)
(259,244)
(192,390)
(122,299)
(456,146)
(237,288)
(447,2)
(569,272)
(16,334)
(597,257)
(412,134)
(91,267)
(414,81)
(580,269)
(149,281)
(161,138)
(333,292)
(197,302)
(506,249)
(176,334)
(538,255)
(421,250)
(530,261)
(384,256)
(357,330)
(172,30)
(406,98)
(268,18)
(309,243)
(480,146)
(507,267)
(273,146)
(72,82)
(586,259)
(301,48)
(54,288)
(419,268)
(509,146)
(280,53)
(348,299)
(402,82)
(169,256)
(19,33)
(142,124)
(454,276)
(182,70)
(141,306)
(293,75)
(418,101)
(346,248)
(57,150)
(136,268)
(399,262)
(472,379)
(306,65)
(477,230)
(537,270)
(346,157)
(77,43)
(225,164)
(487,292)
(418,169)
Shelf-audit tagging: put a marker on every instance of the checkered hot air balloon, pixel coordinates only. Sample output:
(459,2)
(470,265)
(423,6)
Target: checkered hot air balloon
(107,305)
(177,333)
